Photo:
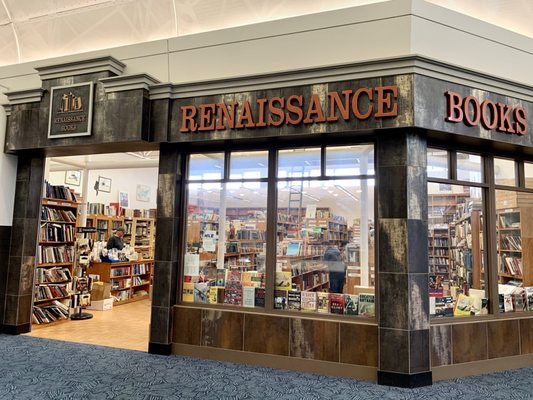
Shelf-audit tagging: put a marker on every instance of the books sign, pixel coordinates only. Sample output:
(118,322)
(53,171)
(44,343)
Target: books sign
(71,109)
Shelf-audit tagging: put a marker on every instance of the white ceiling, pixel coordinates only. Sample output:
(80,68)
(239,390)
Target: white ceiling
(40,29)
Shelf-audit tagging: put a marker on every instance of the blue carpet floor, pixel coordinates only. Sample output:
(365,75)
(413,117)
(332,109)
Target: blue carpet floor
(32,368)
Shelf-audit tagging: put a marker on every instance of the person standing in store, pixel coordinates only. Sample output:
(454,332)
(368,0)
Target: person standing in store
(336,267)
(116,241)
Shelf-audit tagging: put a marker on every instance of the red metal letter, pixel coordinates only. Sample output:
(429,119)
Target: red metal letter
(455,113)
(188,124)
(384,99)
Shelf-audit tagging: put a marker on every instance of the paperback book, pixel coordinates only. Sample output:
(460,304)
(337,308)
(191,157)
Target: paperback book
(351,304)
(294,300)
(308,301)
(367,304)
(322,302)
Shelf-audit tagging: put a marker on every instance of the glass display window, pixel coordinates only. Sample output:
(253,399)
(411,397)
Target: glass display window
(456,237)
(469,167)
(514,228)
(437,163)
(325,238)
(224,262)
(528,172)
(504,172)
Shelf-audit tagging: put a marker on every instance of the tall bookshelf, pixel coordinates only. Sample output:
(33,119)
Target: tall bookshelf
(515,239)
(466,251)
(56,255)
(143,237)
(439,253)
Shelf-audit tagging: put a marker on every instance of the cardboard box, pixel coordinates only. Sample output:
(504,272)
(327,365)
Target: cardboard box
(101,305)
(101,291)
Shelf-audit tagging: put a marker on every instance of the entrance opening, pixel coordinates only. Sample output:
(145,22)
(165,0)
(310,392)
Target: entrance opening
(95,257)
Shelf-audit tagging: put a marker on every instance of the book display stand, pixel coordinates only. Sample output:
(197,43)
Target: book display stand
(82,284)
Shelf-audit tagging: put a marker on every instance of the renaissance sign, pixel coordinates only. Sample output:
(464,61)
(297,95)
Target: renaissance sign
(71,110)
(361,104)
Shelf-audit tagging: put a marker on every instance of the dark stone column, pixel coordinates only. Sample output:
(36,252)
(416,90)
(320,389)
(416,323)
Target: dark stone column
(5,240)
(168,226)
(23,247)
(402,269)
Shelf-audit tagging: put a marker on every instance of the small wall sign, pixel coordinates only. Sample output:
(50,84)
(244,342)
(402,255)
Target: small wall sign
(71,110)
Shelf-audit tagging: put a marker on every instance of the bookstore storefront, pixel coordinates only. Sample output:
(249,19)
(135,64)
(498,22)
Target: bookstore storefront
(341,228)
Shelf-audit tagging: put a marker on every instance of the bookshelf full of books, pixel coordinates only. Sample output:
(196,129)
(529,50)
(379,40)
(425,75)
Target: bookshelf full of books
(130,281)
(55,255)
(515,238)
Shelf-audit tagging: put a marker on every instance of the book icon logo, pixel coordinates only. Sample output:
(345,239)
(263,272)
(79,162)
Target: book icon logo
(70,103)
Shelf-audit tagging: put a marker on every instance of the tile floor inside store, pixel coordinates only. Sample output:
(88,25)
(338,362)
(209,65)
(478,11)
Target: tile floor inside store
(125,327)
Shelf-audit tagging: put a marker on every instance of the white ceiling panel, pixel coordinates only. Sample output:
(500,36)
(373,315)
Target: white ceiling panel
(205,15)
(8,46)
(98,27)
(48,28)
(514,15)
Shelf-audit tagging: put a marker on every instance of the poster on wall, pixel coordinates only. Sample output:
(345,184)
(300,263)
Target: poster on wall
(103,184)
(143,193)
(73,178)
(192,264)
(209,241)
(124,199)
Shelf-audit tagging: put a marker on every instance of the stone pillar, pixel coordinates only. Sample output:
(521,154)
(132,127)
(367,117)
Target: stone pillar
(403,259)
(168,226)
(24,234)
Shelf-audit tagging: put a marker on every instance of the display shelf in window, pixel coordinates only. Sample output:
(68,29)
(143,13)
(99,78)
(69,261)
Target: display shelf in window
(515,238)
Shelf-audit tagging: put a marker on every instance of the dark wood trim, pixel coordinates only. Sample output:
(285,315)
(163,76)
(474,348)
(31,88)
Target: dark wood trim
(15,329)
(160,348)
(405,380)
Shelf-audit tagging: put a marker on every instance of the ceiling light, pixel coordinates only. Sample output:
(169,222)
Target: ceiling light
(349,194)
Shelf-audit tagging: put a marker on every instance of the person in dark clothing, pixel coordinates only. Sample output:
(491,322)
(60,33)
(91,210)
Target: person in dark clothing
(336,267)
(115,241)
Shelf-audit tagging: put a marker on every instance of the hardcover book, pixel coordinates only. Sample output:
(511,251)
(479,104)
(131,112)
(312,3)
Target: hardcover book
(213,294)
(529,294)
(188,292)
(308,301)
(220,279)
(259,299)
(201,292)
(280,299)
(233,289)
(508,302)
(519,300)
(322,302)
(283,280)
(294,300)
(336,303)
(351,304)
(367,304)
(444,306)
(463,306)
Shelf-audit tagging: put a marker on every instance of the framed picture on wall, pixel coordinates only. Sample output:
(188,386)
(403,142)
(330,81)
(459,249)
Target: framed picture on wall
(73,178)
(124,199)
(143,193)
(104,184)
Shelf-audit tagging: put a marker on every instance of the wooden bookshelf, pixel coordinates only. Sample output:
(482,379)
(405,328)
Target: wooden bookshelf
(55,257)
(466,251)
(139,232)
(127,279)
(515,245)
